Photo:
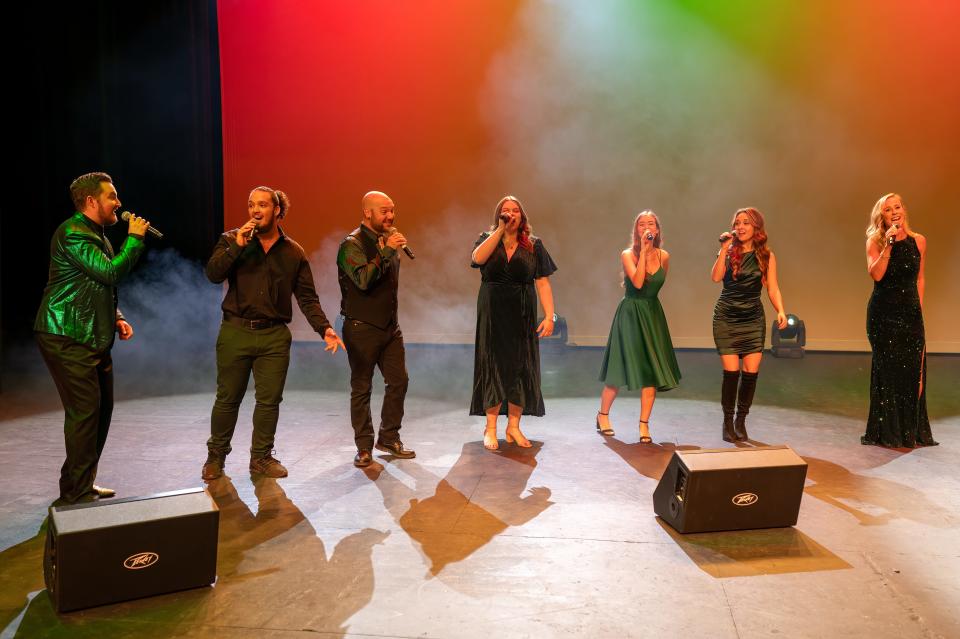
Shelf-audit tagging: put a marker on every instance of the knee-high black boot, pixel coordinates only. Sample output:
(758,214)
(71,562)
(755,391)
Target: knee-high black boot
(728,399)
(748,385)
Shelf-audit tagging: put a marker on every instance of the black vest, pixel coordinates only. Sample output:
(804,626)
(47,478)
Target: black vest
(378,304)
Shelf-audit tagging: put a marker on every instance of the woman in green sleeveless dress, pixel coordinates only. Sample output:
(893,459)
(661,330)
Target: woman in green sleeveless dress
(639,351)
(744,264)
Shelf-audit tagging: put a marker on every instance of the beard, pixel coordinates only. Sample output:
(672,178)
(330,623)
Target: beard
(108,219)
(380,227)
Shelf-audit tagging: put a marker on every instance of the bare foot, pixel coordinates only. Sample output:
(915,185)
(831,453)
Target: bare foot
(490,438)
(516,437)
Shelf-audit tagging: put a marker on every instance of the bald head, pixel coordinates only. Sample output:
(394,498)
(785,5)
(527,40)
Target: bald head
(374,199)
(377,211)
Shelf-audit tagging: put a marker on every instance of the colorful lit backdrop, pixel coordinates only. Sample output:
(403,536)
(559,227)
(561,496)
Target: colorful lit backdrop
(589,112)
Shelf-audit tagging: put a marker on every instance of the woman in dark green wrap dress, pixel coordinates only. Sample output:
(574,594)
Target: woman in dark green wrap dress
(744,264)
(639,351)
(515,270)
(898,371)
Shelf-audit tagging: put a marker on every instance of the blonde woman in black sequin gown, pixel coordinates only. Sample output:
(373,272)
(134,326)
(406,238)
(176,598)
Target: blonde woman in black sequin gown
(898,374)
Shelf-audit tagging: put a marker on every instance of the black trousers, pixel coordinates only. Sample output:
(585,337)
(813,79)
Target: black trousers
(240,350)
(84,379)
(369,347)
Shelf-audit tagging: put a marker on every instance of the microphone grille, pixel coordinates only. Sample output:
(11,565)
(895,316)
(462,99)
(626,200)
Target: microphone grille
(125,216)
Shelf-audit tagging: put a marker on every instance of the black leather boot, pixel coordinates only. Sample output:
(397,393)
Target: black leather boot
(728,399)
(748,385)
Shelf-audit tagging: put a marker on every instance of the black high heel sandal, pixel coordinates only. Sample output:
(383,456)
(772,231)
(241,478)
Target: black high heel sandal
(645,439)
(608,432)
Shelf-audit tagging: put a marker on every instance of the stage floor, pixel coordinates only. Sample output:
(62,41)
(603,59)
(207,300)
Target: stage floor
(556,541)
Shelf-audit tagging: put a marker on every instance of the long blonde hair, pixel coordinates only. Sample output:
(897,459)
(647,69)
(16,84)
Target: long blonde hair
(878,226)
(635,236)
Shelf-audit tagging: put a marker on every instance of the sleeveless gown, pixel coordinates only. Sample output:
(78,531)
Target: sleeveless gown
(898,409)
(639,350)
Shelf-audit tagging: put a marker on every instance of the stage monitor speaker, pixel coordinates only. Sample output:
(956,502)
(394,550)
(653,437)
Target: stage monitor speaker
(109,551)
(731,489)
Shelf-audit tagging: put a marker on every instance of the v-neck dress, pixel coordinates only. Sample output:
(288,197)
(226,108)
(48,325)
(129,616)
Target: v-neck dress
(506,361)
(639,351)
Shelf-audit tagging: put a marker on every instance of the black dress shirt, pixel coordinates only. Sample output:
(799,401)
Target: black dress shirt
(261,284)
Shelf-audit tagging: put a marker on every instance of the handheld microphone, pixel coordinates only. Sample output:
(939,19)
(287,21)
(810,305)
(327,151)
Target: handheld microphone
(890,238)
(406,249)
(253,232)
(152,230)
(726,235)
(649,236)
(505,218)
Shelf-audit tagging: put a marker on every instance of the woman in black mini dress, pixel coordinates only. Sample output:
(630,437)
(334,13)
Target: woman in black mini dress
(744,264)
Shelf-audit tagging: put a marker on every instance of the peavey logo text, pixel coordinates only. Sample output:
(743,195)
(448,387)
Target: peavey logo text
(141,560)
(745,499)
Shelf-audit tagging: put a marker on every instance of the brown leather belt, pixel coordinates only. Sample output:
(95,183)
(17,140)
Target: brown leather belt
(252,324)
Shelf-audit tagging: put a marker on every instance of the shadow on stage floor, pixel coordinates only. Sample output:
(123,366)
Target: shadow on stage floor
(556,540)
(465,512)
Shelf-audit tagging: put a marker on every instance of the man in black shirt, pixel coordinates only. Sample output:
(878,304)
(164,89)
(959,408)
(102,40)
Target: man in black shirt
(264,268)
(369,272)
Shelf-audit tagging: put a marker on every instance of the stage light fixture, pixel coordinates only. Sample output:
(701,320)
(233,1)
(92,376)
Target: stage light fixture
(790,340)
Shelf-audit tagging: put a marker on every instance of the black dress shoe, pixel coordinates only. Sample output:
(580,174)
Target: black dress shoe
(396,449)
(85,498)
(363,458)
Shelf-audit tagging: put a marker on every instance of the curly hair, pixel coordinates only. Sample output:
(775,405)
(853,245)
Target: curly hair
(279,199)
(760,249)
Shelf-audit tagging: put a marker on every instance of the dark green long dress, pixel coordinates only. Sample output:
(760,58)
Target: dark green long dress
(639,351)
(506,360)
(898,408)
(739,323)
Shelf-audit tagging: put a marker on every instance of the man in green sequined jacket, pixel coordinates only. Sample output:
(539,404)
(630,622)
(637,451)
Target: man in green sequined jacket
(76,323)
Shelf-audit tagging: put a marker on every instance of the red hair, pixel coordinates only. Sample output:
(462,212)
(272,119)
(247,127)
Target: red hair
(759,244)
(524,230)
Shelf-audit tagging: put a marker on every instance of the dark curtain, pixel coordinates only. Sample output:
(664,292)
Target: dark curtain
(130,88)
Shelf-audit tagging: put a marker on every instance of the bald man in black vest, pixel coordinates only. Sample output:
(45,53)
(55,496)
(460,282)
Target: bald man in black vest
(368,267)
